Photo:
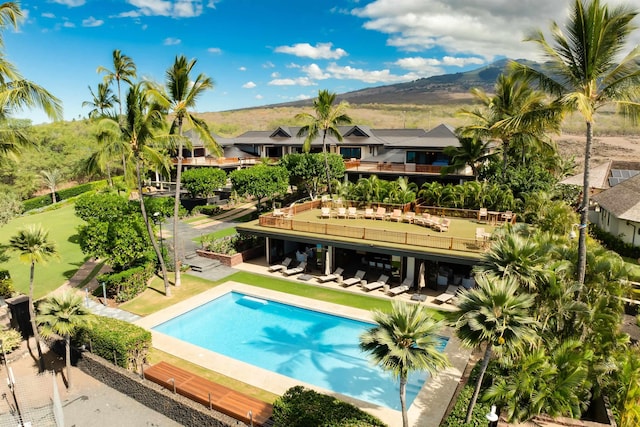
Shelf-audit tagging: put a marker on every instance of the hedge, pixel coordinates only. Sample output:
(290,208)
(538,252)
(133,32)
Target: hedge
(125,285)
(614,243)
(6,284)
(45,200)
(121,342)
(300,407)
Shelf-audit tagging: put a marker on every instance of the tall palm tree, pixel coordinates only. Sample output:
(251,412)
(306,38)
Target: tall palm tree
(515,112)
(34,247)
(584,74)
(179,98)
(471,152)
(327,118)
(493,314)
(51,179)
(64,314)
(138,128)
(405,340)
(102,100)
(124,69)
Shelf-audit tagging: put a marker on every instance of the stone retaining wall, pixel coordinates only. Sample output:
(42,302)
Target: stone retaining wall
(174,406)
(233,260)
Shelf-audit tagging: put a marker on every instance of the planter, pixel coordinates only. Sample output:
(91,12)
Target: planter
(235,259)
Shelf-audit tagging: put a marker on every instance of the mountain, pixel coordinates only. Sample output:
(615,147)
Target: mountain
(444,89)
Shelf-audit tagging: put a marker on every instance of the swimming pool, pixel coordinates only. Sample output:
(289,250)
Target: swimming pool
(309,346)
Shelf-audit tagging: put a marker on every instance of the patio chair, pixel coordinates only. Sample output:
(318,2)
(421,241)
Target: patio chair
(282,266)
(295,270)
(443,225)
(332,276)
(382,280)
(342,213)
(434,223)
(447,295)
(381,213)
(368,213)
(424,220)
(483,213)
(404,287)
(353,280)
(409,217)
(277,212)
(326,212)
(352,213)
(468,282)
(396,215)
(506,216)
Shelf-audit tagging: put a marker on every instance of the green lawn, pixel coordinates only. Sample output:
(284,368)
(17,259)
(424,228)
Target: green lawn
(219,234)
(62,225)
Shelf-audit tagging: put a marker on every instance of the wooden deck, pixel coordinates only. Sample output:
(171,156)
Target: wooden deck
(201,390)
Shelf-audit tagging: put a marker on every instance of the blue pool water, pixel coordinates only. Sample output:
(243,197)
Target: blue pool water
(306,345)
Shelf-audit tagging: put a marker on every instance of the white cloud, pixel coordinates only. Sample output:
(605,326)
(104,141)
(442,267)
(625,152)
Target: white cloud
(258,96)
(214,50)
(319,51)
(367,76)
(242,69)
(302,97)
(268,64)
(170,8)
(68,24)
(171,41)
(70,3)
(431,66)
(249,85)
(92,22)
(315,72)
(300,81)
(275,75)
(293,65)
(48,15)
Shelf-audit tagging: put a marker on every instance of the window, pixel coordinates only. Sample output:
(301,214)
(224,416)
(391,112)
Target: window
(351,152)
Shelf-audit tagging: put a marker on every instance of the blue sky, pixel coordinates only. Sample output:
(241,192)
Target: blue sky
(261,52)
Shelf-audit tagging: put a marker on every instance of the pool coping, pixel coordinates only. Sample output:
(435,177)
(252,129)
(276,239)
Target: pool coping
(428,407)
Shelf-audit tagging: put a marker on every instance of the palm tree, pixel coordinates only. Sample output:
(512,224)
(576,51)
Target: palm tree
(327,118)
(516,112)
(51,179)
(405,340)
(34,247)
(402,191)
(584,74)
(142,120)
(101,101)
(64,314)
(471,152)
(179,98)
(493,314)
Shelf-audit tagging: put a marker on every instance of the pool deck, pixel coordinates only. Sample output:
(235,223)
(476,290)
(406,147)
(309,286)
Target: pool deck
(427,409)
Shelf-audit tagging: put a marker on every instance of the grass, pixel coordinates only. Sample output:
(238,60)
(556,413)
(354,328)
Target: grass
(62,224)
(219,234)
(255,392)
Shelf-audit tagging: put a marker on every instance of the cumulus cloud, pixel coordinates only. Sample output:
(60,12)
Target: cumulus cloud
(268,64)
(214,50)
(249,85)
(48,15)
(430,66)
(92,22)
(300,81)
(70,3)
(315,72)
(258,96)
(171,41)
(275,75)
(319,51)
(170,8)
(242,69)
(68,24)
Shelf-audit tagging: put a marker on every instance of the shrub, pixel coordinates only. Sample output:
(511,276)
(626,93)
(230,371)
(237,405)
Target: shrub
(231,245)
(210,210)
(116,340)
(614,243)
(300,407)
(125,285)
(6,284)
(45,200)
(459,412)
(11,339)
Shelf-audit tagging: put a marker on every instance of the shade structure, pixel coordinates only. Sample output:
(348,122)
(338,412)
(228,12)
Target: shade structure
(421,281)
(327,259)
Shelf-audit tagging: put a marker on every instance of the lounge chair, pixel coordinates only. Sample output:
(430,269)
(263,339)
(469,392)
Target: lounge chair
(295,270)
(409,217)
(447,295)
(355,279)
(330,277)
(381,213)
(326,212)
(282,266)
(468,282)
(443,225)
(342,213)
(424,220)
(352,213)
(404,287)
(396,215)
(368,213)
(382,280)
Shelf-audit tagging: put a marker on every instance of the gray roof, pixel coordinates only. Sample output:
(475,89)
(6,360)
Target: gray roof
(623,200)
(231,151)
(606,175)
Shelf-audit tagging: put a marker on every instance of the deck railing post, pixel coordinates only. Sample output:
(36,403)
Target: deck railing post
(173,381)
(210,405)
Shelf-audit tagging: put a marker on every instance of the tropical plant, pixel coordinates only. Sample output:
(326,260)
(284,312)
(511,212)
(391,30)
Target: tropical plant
(402,191)
(51,179)
(101,101)
(260,181)
(471,152)
(405,340)
(33,245)
(179,98)
(63,314)
(496,315)
(585,72)
(203,182)
(327,118)
(138,128)
(307,170)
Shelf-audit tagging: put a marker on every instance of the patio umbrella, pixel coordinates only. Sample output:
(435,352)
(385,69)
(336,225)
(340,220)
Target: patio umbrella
(421,282)
(327,259)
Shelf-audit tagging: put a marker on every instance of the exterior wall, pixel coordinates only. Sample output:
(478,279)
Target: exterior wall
(233,260)
(626,230)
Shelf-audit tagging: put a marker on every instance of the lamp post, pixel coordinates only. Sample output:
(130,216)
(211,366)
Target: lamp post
(572,233)
(493,417)
(158,220)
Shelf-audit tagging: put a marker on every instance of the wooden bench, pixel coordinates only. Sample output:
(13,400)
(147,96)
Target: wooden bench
(201,390)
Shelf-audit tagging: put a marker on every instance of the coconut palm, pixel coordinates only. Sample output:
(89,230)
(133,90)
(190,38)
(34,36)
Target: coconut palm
(102,100)
(179,98)
(471,152)
(51,179)
(63,314)
(138,128)
(34,247)
(586,72)
(327,118)
(493,314)
(404,340)
(514,113)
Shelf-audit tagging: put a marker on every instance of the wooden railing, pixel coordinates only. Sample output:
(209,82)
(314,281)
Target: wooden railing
(364,233)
